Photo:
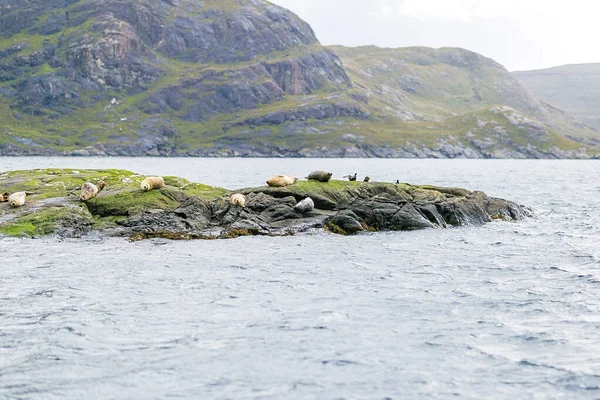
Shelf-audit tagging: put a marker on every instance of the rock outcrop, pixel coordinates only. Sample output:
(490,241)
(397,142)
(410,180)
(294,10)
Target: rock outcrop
(185,210)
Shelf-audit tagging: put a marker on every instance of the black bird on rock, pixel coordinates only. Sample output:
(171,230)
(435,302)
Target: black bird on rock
(367,179)
(351,178)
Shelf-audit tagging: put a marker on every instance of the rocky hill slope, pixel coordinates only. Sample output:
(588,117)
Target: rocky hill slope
(574,88)
(248,78)
(464,103)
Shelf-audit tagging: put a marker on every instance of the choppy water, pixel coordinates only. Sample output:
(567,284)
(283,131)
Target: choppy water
(504,311)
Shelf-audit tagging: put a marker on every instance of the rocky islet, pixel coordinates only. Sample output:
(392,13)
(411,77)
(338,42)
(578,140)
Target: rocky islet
(186,210)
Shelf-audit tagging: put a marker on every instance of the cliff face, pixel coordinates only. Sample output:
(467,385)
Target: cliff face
(97,46)
(244,78)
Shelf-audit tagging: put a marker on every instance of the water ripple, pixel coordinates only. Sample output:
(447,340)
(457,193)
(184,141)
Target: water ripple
(504,311)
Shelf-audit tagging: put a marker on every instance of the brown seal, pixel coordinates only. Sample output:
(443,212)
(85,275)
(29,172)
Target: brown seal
(321,176)
(281,180)
(89,190)
(152,182)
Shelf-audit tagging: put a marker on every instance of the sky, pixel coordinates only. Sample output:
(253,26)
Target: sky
(520,34)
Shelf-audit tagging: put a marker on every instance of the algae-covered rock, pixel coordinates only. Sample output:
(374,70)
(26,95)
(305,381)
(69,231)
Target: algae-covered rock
(344,223)
(186,210)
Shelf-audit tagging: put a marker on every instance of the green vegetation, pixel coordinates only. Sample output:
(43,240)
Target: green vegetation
(43,221)
(195,189)
(55,193)
(573,88)
(415,99)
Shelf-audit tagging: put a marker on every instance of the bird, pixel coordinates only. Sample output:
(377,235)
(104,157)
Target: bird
(367,179)
(351,178)
(397,181)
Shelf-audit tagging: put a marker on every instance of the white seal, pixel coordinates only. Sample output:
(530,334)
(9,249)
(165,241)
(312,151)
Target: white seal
(238,200)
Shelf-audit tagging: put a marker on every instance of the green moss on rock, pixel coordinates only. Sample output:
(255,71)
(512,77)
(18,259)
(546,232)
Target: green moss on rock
(55,199)
(195,189)
(132,201)
(46,220)
(335,194)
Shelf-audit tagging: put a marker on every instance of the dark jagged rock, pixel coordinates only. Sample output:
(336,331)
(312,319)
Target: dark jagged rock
(345,223)
(185,210)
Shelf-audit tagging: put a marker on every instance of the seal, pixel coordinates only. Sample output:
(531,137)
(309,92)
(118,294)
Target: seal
(351,178)
(305,205)
(89,190)
(152,182)
(17,199)
(4,197)
(238,200)
(281,180)
(321,176)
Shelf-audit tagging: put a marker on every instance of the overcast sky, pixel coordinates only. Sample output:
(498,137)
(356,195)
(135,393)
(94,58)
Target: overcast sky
(520,34)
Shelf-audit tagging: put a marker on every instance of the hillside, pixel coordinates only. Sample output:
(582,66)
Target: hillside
(573,88)
(464,103)
(248,78)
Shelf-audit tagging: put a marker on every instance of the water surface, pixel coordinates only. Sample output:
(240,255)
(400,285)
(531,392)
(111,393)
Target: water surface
(505,311)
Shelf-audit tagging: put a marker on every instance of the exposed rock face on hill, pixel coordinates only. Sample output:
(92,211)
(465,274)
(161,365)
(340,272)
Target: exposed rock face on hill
(104,45)
(186,210)
(248,78)
(573,88)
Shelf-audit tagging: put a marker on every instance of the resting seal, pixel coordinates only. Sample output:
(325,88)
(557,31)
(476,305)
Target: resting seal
(305,205)
(281,180)
(152,182)
(321,176)
(4,197)
(17,199)
(238,200)
(89,190)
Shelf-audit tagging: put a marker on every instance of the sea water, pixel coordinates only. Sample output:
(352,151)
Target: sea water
(503,311)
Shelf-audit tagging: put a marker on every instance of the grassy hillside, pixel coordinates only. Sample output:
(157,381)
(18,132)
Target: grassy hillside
(247,78)
(574,88)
